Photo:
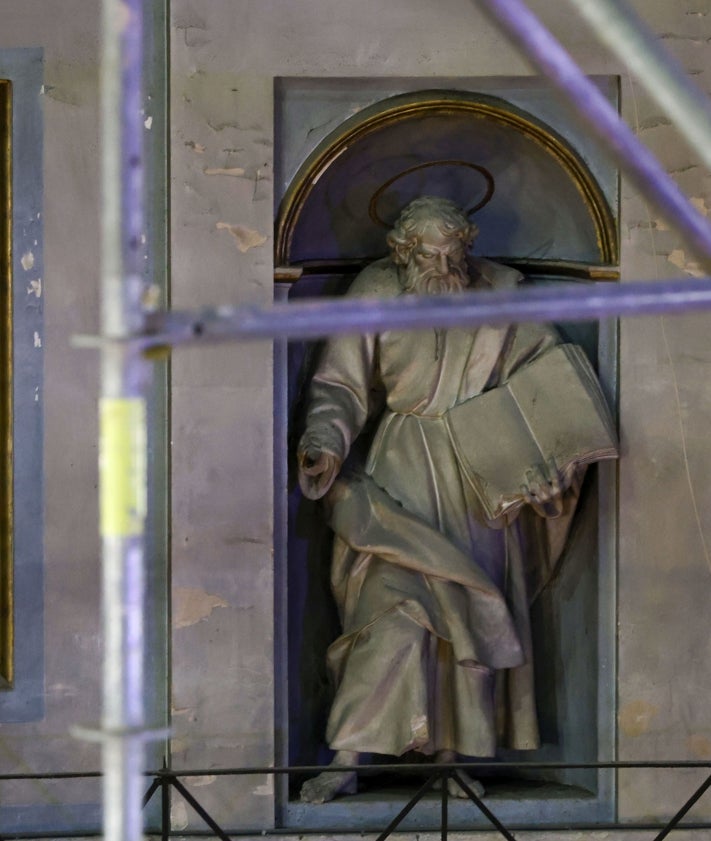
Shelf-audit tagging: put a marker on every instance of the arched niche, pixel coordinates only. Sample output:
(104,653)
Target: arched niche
(547,207)
(550,218)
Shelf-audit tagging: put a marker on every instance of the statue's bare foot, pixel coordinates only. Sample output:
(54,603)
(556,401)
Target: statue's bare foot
(446,757)
(329,785)
(455,790)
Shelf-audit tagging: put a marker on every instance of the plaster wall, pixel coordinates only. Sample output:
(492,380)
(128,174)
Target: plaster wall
(224,58)
(35,721)
(72,648)
(225,55)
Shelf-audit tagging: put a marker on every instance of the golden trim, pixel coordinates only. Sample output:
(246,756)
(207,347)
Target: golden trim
(526,265)
(6,471)
(429,103)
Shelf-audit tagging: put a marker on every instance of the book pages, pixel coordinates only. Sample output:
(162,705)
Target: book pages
(550,410)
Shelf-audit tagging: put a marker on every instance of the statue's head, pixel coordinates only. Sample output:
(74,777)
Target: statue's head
(430,240)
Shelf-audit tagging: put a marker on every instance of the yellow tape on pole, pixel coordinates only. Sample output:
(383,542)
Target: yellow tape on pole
(122,466)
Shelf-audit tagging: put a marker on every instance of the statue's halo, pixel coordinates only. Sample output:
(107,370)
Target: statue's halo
(489,178)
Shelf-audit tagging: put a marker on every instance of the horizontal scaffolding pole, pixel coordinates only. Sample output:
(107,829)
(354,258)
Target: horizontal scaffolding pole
(584,98)
(316,319)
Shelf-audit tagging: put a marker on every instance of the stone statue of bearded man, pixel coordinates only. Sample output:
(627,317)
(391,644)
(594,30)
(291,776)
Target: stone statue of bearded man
(435,651)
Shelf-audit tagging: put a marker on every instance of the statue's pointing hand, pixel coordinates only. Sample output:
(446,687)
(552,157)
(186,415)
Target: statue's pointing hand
(317,471)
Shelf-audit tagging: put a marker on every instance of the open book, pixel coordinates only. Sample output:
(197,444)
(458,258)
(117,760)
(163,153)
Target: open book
(552,408)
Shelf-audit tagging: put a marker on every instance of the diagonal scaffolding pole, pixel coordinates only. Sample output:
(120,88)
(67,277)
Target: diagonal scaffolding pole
(621,30)
(637,162)
(122,419)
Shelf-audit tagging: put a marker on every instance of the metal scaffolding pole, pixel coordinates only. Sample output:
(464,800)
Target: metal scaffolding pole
(125,374)
(319,318)
(122,446)
(637,162)
(619,28)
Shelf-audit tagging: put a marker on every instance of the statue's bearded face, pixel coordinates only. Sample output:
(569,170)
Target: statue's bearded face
(436,264)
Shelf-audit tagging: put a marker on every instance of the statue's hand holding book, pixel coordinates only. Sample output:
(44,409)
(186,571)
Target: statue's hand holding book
(525,441)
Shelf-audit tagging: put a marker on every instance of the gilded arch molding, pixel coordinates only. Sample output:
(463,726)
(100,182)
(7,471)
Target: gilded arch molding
(410,107)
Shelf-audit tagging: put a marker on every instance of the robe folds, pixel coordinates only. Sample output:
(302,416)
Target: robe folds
(435,651)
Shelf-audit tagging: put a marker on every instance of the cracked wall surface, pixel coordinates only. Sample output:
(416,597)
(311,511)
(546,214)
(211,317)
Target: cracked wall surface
(664,579)
(225,56)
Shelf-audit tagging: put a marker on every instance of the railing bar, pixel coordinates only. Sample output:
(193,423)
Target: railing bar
(365,769)
(482,808)
(200,810)
(298,832)
(165,808)
(426,769)
(409,806)
(445,804)
(695,797)
(151,791)
(61,775)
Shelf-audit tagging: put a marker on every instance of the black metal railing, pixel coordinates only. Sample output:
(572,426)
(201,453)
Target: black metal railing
(167,780)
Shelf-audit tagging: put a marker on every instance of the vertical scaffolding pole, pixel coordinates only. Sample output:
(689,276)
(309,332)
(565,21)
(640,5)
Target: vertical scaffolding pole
(122,417)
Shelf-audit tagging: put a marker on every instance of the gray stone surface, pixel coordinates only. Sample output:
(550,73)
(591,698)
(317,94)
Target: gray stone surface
(225,57)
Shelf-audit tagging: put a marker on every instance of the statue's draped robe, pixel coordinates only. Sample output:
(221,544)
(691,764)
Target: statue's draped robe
(436,647)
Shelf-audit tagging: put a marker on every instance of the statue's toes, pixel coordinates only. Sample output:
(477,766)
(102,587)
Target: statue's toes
(312,792)
(455,790)
(326,786)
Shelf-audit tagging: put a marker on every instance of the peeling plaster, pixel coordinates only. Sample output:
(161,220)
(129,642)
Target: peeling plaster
(35,288)
(654,122)
(37,339)
(699,746)
(266,789)
(691,267)
(27,261)
(700,204)
(62,690)
(676,36)
(148,122)
(634,718)
(122,16)
(649,224)
(197,782)
(196,147)
(178,746)
(178,815)
(246,237)
(61,95)
(235,171)
(189,19)
(191,605)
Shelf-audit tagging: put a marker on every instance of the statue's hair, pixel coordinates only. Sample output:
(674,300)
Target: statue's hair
(428,210)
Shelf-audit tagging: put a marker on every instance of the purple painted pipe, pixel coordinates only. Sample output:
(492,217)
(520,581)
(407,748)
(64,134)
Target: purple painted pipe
(547,54)
(318,318)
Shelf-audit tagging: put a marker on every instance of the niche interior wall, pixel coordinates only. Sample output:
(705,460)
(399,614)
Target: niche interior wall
(554,215)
